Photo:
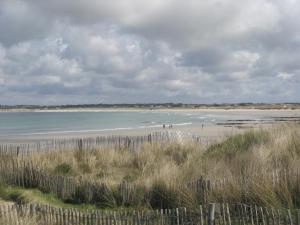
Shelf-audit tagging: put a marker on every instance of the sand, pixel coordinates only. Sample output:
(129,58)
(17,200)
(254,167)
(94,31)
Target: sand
(210,131)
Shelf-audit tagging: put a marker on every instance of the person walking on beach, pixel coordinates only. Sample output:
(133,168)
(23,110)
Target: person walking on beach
(164,126)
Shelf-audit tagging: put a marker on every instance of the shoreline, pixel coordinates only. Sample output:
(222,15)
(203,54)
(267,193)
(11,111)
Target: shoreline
(245,119)
(209,131)
(150,110)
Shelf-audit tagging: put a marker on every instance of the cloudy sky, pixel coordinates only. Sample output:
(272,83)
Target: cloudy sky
(92,51)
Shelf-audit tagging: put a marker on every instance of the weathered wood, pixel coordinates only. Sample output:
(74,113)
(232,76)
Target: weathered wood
(251,215)
(201,215)
(11,214)
(268,218)
(256,216)
(272,216)
(211,217)
(241,206)
(290,217)
(262,215)
(278,217)
(228,214)
(116,142)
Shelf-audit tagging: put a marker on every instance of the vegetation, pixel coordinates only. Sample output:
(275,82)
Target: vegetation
(24,196)
(238,144)
(159,174)
(63,168)
(287,105)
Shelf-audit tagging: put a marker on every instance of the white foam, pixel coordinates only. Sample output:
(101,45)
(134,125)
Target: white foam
(102,130)
(182,124)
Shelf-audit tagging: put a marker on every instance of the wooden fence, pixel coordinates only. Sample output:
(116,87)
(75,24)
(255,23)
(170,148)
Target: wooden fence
(110,142)
(25,174)
(208,214)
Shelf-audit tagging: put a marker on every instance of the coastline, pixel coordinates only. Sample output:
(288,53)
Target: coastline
(150,110)
(209,130)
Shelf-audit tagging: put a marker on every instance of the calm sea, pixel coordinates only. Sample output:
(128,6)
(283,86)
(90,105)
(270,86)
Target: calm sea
(26,123)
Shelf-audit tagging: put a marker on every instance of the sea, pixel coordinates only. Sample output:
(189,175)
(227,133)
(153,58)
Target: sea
(35,123)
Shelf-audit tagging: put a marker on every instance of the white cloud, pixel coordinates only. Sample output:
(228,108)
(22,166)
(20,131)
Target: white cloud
(135,51)
(50,79)
(257,15)
(285,76)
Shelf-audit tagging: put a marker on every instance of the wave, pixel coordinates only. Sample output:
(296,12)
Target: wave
(199,117)
(182,124)
(102,130)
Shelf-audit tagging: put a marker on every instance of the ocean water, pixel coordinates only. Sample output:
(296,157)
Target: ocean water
(34,123)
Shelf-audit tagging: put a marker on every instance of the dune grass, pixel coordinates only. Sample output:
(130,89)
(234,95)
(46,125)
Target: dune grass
(162,170)
(111,166)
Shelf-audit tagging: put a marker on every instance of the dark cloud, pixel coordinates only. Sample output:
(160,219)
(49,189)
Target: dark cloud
(206,58)
(65,51)
(21,22)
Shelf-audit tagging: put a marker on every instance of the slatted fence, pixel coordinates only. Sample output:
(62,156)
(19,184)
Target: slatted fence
(25,174)
(208,214)
(109,142)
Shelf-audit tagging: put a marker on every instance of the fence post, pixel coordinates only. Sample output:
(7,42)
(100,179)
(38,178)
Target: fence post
(251,215)
(211,217)
(177,216)
(201,215)
(273,216)
(162,217)
(278,216)
(242,213)
(290,217)
(15,216)
(228,214)
(262,216)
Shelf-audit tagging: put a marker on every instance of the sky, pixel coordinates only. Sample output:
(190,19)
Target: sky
(138,51)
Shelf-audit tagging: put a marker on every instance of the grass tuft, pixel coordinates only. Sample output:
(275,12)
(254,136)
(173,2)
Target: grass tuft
(63,168)
(238,144)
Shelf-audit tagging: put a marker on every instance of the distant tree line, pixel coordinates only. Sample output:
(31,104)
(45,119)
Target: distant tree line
(157,106)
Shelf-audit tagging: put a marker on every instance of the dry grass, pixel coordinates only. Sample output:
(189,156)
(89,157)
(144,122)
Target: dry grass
(163,169)
(157,162)
(252,152)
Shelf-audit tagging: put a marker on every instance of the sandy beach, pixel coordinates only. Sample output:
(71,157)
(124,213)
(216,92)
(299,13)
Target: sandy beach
(208,130)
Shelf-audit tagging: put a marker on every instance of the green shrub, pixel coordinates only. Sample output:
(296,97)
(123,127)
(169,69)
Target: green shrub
(129,178)
(237,144)
(2,189)
(18,197)
(63,168)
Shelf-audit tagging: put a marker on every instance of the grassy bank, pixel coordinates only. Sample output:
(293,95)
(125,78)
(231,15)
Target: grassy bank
(24,196)
(159,173)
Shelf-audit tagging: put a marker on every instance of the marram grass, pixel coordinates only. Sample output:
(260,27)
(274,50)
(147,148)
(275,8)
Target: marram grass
(160,172)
